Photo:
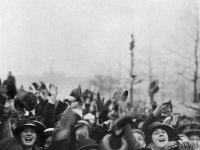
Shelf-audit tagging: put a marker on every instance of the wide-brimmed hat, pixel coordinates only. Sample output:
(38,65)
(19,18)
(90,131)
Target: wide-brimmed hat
(158,125)
(87,144)
(36,125)
(192,129)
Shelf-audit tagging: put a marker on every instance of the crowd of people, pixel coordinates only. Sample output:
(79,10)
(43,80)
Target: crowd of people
(35,119)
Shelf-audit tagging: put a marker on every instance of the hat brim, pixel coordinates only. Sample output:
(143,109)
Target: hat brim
(190,132)
(170,131)
(18,130)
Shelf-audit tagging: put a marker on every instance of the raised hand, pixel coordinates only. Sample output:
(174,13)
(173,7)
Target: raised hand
(33,89)
(53,91)
(170,145)
(163,108)
(43,92)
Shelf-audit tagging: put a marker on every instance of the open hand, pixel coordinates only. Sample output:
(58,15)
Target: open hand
(163,108)
(170,145)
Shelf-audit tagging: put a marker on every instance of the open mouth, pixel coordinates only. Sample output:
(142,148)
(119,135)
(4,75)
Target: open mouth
(162,140)
(28,139)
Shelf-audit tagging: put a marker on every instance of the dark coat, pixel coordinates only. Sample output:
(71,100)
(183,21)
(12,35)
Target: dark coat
(98,132)
(40,107)
(49,115)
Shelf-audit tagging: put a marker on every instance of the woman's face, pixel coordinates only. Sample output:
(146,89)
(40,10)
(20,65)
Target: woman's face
(140,139)
(28,137)
(160,138)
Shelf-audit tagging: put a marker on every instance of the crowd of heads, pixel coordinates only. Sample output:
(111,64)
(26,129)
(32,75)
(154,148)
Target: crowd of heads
(35,119)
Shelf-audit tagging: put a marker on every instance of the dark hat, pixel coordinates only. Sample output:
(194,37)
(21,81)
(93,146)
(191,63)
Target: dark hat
(25,100)
(87,144)
(156,125)
(192,129)
(77,94)
(22,124)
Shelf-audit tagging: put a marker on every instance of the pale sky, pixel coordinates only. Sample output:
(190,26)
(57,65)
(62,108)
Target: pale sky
(86,37)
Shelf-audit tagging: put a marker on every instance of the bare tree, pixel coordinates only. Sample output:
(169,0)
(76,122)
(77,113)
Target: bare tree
(190,70)
(196,62)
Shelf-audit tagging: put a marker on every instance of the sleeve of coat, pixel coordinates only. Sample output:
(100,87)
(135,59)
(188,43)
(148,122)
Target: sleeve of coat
(129,137)
(49,115)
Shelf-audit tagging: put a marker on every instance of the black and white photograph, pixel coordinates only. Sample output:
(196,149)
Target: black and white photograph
(99,75)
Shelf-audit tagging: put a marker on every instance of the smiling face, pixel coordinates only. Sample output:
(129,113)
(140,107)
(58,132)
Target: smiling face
(160,138)
(28,137)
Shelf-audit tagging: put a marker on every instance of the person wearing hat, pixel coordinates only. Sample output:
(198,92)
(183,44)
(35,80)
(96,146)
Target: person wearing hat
(82,130)
(27,136)
(48,135)
(84,142)
(192,131)
(159,136)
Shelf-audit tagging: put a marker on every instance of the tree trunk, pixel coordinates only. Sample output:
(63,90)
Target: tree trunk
(196,63)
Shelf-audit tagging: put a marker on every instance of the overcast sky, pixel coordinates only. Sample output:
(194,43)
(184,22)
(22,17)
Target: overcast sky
(83,37)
